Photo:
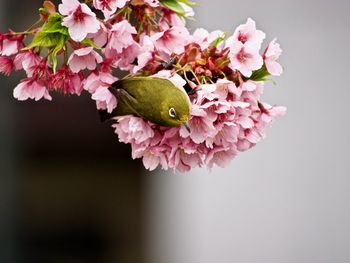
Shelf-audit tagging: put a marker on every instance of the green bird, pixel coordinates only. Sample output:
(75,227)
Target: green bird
(154,99)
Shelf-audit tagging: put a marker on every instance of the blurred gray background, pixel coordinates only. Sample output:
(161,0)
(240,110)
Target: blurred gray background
(69,193)
(288,199)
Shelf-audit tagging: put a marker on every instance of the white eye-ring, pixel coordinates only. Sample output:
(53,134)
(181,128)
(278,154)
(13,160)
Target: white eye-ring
(172,113)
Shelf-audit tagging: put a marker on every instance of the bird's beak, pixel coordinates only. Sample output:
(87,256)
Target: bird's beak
(187,127)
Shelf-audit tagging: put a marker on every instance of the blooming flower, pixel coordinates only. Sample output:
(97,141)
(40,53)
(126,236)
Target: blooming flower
(125,60)
(79,19)
(271,54)
(10,44)
(220,156)
(121,36)
(248,33)
(97,84)
(245,58)
(104,99)
(101,37)
(27,60)
(172,40)
(134,129)
(31,89)
(84,58)
(183,159)
(109,7)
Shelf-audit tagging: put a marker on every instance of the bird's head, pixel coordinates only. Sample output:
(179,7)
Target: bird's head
(176,108)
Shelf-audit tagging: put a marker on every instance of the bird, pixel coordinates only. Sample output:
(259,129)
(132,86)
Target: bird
(154,99)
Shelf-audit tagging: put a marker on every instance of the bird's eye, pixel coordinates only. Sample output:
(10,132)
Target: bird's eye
(172,113)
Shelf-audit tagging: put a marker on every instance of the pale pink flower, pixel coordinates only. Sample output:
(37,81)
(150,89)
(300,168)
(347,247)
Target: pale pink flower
(272,53)
(248,33)
(9,47)
(201,124)
(79,19)
(133,129)
(121,36)
(6,65)
(172,40)
(245,58)
(125,59)
(226,137)
(31,89)
(146,53)
(97,84)
(154,156)
(109,7)
(183,159)
(220,156)
(97,79)
(101,37)
(105,100)
(27,60)
(84,58)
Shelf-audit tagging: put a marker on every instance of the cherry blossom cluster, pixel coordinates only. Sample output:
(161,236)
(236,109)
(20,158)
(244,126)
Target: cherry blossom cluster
(78,47)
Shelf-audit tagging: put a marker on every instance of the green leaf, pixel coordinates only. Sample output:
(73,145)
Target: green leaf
(60,45)
(260,75)
(52,36)
(174,6)
(51,33)
(54,25)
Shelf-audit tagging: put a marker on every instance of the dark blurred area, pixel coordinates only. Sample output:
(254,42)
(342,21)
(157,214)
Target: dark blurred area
(69,192)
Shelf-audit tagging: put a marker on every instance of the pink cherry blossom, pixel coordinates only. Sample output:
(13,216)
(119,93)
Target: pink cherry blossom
(79,19)
(104,99)
(10,44)
(201,124)
(97,79)
(248,33)
(109,7)
(154,156)
(9,47)
(220,156)
(125,59)
(272,53)
(27,60)
(97,84)
(121,36)
(172,40)
(245,58)
(84,58)
(184,159)
(101,37)
(133,129)
(6,65)
(146,53)
(31,89)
